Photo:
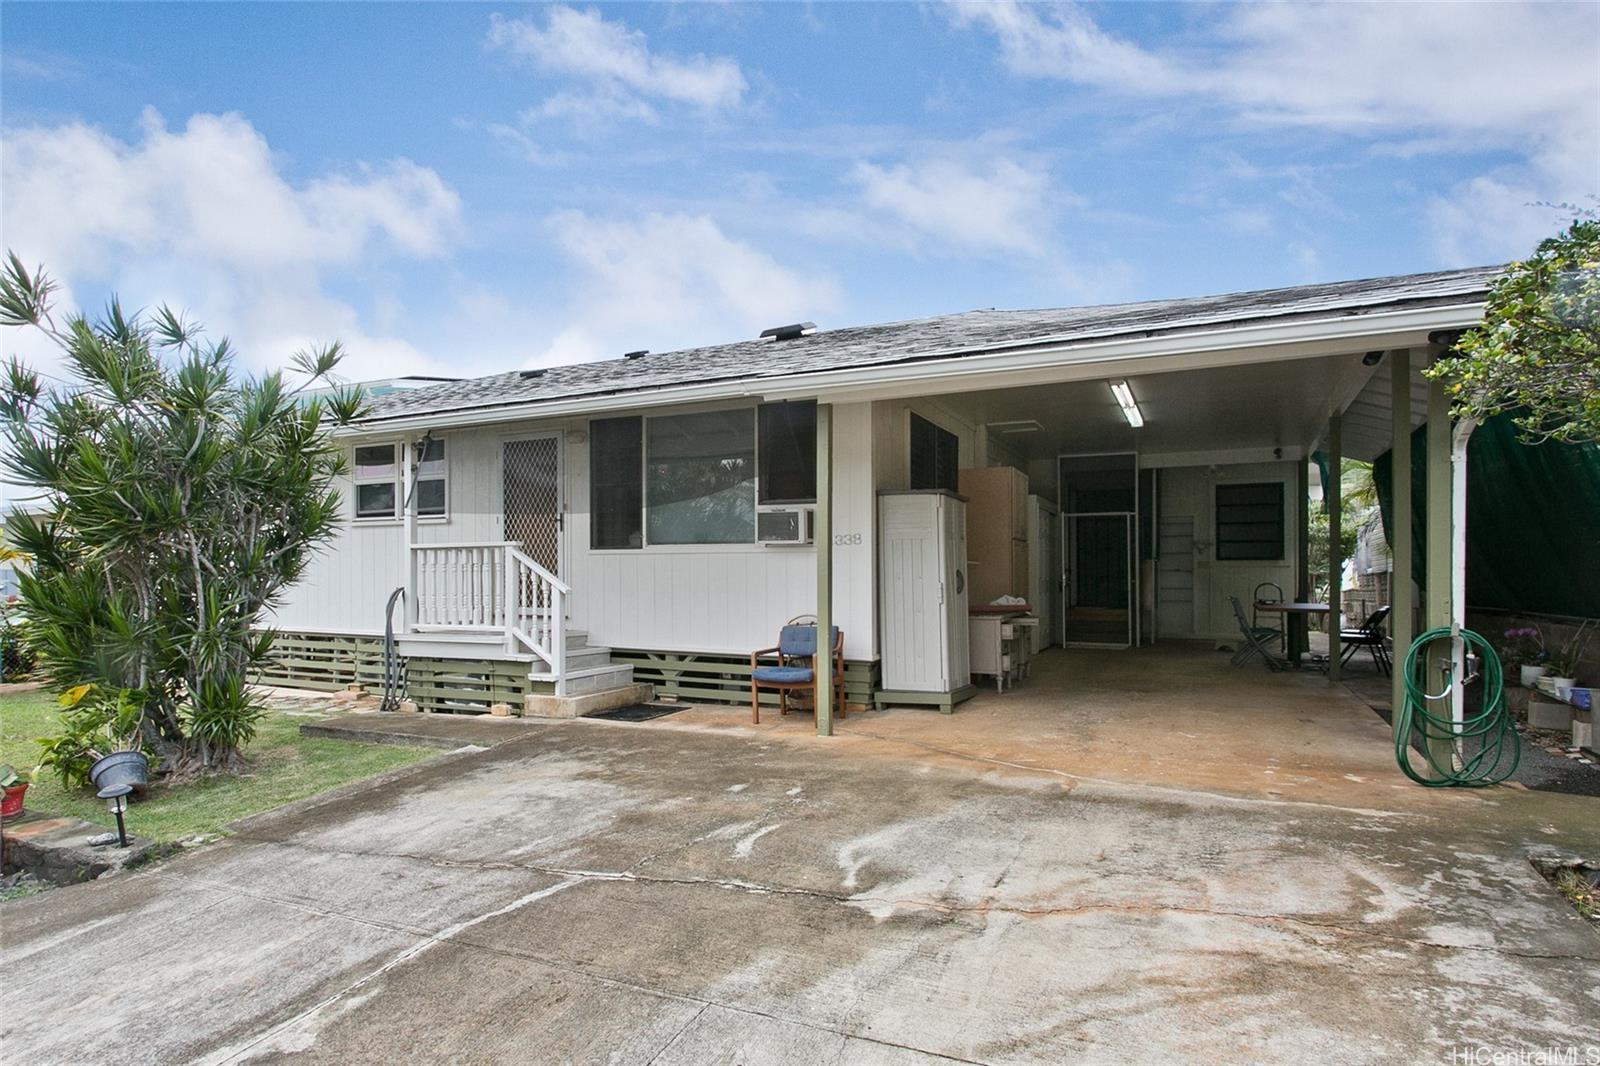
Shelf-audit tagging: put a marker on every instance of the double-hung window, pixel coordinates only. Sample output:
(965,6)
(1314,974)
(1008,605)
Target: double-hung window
(377,479)
(378,484)
(697,478)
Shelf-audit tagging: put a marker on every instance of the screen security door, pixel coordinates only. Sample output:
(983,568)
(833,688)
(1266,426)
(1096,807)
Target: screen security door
(532,498)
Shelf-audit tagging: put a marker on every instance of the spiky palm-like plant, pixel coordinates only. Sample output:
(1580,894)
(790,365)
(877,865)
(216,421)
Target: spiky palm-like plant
(176,501)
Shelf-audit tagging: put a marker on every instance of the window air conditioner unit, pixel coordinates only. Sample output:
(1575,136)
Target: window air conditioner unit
(786,525)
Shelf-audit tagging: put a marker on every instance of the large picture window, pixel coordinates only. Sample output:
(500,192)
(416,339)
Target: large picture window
(1250,521)
(935,456)
(616,493)
(700,475)
(788,434)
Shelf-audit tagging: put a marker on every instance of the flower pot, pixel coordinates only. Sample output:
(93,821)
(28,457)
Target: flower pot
(11,806)
(1531,675)
(1563,686)
(121,768)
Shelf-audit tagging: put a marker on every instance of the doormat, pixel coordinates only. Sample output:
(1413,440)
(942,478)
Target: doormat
(640,712)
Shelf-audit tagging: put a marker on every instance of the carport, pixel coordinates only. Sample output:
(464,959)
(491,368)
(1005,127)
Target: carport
(1175,715)
(1243,391)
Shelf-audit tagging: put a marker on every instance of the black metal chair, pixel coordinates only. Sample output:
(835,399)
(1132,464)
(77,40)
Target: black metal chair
(1260,595)
(1257,640)
(1369,636)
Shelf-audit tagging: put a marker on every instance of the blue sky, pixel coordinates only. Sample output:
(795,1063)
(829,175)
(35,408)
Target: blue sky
(462,188)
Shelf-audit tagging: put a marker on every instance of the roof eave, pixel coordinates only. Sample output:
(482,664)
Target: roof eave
(1246,343)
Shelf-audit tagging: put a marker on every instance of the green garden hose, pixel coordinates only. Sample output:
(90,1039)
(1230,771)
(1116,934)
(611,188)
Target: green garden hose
(1492,727)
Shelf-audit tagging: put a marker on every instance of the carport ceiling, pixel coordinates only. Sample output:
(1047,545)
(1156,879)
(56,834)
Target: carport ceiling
(1282,404)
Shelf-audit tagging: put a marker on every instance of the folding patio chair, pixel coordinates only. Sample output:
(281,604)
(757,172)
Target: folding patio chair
(1369,636)
(1267,592)
(1257,640)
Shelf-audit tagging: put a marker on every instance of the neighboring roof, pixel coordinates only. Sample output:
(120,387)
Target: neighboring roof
(945,336)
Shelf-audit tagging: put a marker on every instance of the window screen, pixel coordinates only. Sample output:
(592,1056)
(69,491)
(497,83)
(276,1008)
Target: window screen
(700,478)
(788,435)
(1250,521)
(616,496)
(935,456)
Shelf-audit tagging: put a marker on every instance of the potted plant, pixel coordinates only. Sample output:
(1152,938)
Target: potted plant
(1565,661)
(15,785)
(1523,647)
(102,741)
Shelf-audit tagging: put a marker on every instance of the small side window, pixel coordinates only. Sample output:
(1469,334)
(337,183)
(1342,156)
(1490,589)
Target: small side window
(432,476)
(935,456)
(377,482)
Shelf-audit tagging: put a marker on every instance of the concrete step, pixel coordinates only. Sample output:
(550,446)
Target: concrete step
(586,657)
(458,646)
(590,679)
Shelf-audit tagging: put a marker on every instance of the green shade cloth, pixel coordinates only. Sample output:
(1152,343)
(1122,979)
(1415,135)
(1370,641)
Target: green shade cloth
(1533,520)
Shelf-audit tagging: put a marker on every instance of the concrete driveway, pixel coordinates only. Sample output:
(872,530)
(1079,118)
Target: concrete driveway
(693,890)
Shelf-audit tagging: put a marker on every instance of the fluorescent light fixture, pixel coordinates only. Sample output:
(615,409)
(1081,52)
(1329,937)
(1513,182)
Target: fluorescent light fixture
(1125,400)
(1020,425)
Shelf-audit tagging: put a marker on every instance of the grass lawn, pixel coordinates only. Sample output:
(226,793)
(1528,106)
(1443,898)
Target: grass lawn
(281,766)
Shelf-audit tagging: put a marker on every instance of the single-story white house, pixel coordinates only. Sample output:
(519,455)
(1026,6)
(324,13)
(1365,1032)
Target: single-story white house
(657,516)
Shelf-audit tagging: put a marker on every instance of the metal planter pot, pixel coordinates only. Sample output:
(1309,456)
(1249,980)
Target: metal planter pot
(121,768)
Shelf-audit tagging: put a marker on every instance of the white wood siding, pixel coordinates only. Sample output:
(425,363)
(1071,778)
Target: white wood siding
(1191,490)
(706,598)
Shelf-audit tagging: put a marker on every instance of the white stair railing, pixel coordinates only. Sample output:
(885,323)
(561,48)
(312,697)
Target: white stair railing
(492,588)
(538,620)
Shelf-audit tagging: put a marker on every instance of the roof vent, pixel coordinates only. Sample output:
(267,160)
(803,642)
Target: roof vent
(536,372)
(789,333)
(640,354)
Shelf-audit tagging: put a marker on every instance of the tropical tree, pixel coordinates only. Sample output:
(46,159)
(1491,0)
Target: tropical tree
(176,501)
(1537,353)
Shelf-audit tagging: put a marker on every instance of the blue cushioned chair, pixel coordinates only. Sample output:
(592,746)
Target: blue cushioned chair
(796,667)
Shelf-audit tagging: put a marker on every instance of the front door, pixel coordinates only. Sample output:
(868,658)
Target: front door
(532,498)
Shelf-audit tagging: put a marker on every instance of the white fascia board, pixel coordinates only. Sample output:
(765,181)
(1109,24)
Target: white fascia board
(1037,364)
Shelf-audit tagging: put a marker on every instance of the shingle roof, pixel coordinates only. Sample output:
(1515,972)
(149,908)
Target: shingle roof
(944,336)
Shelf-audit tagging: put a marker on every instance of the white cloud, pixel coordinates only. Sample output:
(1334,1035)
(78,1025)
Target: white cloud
(203,218)
(1517,77)
(667,280)
(999,207)
(616,65)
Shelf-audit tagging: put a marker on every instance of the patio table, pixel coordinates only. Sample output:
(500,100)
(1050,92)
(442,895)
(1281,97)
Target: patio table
(1302,609)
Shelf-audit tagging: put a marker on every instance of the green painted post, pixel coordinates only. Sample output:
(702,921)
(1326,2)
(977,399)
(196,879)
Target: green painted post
(1335,522)
(1297,622)
(824,537)
(1437,592)
(1401,620)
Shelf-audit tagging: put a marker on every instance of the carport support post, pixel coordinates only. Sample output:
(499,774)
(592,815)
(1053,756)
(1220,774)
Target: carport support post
(1401,620)
(1299,630)
(1438,588)
(1335,563)
(824,539)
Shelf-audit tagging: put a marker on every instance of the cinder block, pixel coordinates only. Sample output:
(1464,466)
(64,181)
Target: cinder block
(1547,714)
(500,710)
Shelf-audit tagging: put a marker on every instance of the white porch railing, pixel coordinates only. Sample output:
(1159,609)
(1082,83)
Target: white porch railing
(489,588)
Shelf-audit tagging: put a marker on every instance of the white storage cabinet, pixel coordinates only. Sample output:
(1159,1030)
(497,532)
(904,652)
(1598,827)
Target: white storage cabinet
(922,560)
